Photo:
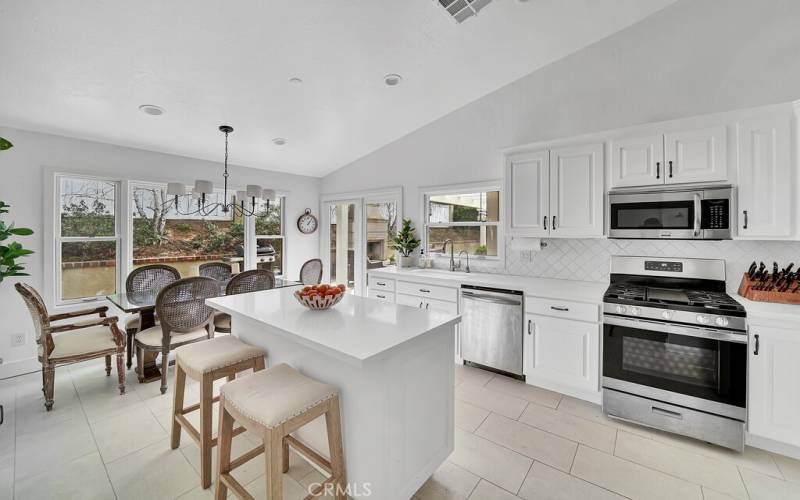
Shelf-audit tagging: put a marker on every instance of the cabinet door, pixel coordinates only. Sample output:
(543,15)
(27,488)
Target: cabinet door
(563,351)
(637,161)
(410,300)
(576,191)
(441,305)
(765,178)
(774,397)
(696,155)
(528,187)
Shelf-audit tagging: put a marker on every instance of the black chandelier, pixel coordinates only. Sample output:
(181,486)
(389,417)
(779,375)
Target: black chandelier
(202,188)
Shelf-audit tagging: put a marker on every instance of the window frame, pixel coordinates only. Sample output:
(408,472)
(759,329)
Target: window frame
(58,239)
(471,187)
(252,246)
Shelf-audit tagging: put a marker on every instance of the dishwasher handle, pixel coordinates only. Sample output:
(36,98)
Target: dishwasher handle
(494,299)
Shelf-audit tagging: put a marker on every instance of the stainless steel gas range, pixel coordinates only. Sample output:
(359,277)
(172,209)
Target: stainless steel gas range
(675,349)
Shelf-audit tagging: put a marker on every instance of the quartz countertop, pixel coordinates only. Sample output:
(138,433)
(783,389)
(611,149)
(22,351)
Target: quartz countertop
(769,313)
(581,291)
(355,330)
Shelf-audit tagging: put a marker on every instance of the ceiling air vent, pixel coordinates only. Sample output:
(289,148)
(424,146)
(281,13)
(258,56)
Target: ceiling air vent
(463,9)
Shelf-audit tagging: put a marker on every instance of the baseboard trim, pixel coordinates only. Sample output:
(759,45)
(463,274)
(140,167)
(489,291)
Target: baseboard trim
(772,445)
(592,397)
(19,367)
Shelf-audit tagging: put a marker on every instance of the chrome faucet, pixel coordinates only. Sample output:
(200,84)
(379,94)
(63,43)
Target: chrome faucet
(452,260)
(459,260)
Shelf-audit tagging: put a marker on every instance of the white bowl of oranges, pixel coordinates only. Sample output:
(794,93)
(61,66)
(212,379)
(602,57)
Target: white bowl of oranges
(320,296)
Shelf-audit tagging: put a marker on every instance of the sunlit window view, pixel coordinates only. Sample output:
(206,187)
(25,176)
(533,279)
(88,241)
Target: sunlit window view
(381,227)
(87,238)
(162,235)
(270,242)
(342,237)
(470,220)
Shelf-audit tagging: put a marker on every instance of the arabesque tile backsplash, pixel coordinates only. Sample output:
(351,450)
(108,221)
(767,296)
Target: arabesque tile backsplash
(588,259)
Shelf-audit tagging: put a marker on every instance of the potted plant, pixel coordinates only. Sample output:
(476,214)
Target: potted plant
(481,251)
(405,243)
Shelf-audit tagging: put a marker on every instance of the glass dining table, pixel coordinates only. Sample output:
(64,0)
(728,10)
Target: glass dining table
(143,303)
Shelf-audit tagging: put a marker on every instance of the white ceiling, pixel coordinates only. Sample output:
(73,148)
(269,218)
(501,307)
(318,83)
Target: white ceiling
(82,67)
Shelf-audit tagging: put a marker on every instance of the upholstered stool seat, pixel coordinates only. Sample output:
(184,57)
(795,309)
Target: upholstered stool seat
(214,354)
(206,362)
(272,404)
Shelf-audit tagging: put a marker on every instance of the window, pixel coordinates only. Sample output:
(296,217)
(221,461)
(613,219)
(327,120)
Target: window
(270,242)
(164,236)
(468,216)
(87,238)
(381,228)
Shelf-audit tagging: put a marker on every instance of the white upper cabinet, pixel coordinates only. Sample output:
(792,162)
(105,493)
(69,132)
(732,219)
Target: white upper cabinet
(576,190)
(637,161)
(696,155)
(527,184)
(765,178)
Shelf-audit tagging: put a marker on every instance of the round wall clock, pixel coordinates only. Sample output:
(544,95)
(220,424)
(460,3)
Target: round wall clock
(307,223)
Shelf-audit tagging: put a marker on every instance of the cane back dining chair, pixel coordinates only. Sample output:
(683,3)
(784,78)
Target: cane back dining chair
(184,316)
(216,270)
(152,277)
(311,272)
(248,281)
(68,343)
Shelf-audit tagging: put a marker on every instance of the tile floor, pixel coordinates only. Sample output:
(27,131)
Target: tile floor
(513,441)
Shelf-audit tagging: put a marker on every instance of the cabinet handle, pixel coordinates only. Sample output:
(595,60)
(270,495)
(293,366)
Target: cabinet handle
(427,305)
(745,219)
(658,170)
(381,296)
(420,304)
(666,413)
(380,283)
(563,309)
(424,290)
(530,326)
(554,222)
(670,169)
(545,222)
(755,352)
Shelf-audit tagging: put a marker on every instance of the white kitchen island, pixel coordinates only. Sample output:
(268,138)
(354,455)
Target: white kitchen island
(393,365)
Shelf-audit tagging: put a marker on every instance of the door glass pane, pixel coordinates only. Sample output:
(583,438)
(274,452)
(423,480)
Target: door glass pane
(88,269)
(162,235)
(87,207)
(342,232)
(381,227)
(269,243)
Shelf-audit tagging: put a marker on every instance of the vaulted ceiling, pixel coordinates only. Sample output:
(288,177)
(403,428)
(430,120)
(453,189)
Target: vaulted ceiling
(82,68)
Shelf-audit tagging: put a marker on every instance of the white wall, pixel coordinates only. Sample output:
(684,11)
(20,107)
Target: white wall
(22,186)
(695,57)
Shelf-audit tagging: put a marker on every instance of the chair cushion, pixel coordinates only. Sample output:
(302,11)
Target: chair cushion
(83,341)
(208,355)
(132,323)
(222,321)
(152,336)
(274,396)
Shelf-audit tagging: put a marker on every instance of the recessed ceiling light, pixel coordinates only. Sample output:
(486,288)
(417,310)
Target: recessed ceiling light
(392,79)
(151,109)
(295,81)
(279,141)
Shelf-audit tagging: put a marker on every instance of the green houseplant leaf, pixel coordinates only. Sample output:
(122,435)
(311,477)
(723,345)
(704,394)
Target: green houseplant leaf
(11,252)
(4,144)
(404,241)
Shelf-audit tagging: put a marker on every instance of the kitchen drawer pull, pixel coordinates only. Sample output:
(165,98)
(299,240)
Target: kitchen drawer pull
(666,413)
(658,170)
(380,283)
(420,304)
(554,222)
(380,296)
(745,219)
(424,290)
(427,305)
(530,326)
(557,308)
(755,351)
(670,169)
(544,219)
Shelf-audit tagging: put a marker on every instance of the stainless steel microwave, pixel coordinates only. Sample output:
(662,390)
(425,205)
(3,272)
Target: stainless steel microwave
(705,213)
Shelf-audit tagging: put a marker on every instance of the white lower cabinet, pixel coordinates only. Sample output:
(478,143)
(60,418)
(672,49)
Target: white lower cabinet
(562,354)
(774,384)
(381,295)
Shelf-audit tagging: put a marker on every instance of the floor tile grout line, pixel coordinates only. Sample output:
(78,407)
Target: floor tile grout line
(746,489)
(528,473)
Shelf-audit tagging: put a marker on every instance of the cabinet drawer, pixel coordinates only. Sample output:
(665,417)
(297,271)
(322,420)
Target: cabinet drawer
(410,300)
(381,295)
(563,309)
(441,305)
(428,291)
(378,283)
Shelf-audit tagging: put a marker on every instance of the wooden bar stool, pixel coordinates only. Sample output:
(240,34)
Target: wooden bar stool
(206,362)
(274,403)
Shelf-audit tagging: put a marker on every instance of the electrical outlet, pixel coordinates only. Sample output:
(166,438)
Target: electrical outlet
(17,339)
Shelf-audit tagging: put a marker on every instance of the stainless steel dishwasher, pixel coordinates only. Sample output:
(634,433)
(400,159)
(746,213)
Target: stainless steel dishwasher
(491,328)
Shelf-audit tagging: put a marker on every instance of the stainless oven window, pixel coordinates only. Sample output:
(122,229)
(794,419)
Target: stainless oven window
(680,363)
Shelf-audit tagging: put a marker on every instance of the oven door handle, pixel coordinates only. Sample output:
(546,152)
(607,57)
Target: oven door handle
(662,327)
(698,209)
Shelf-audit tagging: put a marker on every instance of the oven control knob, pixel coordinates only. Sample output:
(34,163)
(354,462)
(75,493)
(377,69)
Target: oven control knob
(702,319)
(621,309)
(721,321)
(635,311)
(666,315)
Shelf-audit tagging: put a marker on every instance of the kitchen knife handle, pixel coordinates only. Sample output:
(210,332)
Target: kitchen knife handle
(670,169)
(755,352)
(658,170)
(745,219)
(544,219)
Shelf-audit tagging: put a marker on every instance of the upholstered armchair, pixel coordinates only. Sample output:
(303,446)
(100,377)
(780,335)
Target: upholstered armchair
(63,343)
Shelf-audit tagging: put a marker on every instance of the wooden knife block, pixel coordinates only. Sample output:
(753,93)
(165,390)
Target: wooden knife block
(746,290)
